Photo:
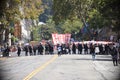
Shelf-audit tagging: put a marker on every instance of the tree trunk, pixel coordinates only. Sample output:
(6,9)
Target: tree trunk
(6,35)
(1,35)
(1,39)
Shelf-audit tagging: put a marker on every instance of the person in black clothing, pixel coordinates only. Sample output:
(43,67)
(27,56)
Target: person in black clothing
(7,50)
(30,50)
(18,50)
(90,48)
(34,49)
(51,49)
(85,49)
(106,49)
(119,55)
(114,56)
(74,48)
(46,48)
(63,49)
(101,49)
(40,49)
(80,48)
(26,50)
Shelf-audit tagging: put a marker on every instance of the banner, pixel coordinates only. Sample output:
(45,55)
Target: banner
(55,38)
(67,38)
(60,38)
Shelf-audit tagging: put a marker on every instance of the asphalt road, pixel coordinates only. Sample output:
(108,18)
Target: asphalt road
(65,67)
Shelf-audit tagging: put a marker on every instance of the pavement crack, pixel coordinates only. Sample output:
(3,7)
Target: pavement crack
(102,75)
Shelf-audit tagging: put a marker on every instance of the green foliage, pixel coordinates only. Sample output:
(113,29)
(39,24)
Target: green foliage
(15,10)
(98,13)
(36,36)
(10,12)
(47,5)
(96,20)
(31,8)
(12,30)
(110,11)
(14,39)
(71,26)
(68,9)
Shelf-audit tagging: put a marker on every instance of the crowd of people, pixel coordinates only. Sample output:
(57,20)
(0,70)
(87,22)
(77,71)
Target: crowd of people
(112,49)
(72,48)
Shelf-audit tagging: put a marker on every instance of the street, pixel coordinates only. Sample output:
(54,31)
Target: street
(64,67)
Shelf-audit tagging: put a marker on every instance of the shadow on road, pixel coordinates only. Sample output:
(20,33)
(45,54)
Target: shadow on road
(95,59)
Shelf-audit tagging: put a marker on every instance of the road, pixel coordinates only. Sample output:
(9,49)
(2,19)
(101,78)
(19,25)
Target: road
(53,67)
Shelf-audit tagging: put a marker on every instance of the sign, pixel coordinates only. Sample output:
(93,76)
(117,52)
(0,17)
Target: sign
(60,38)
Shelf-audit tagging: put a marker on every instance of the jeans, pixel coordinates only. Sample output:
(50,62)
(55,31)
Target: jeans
(93,56)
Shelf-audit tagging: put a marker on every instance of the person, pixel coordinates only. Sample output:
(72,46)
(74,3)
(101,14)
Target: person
(18,50)
(26,50)
(7,51)
(119,54)
(101,49)
(97,49)
(63,49)
(34,49)
(51,49)
(106,49)
(80,48)
(40,49)
(114,56)
(2,50)
(30,50)
(93,52)
(59,48)
(46,48)
(67,47)
(90,47)
(74,48)
(85,49)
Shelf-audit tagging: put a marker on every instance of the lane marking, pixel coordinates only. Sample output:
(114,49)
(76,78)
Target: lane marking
(33,73)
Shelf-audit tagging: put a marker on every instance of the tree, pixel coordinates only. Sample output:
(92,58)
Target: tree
(110,11)
(13,11)
(97,13)
(47,4)
(30,12)
(8,14)
(49,28)
(96,20)
(72,10)
(68,9)
(31,9)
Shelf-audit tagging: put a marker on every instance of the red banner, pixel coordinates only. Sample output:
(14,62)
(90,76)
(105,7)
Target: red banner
(60,38)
